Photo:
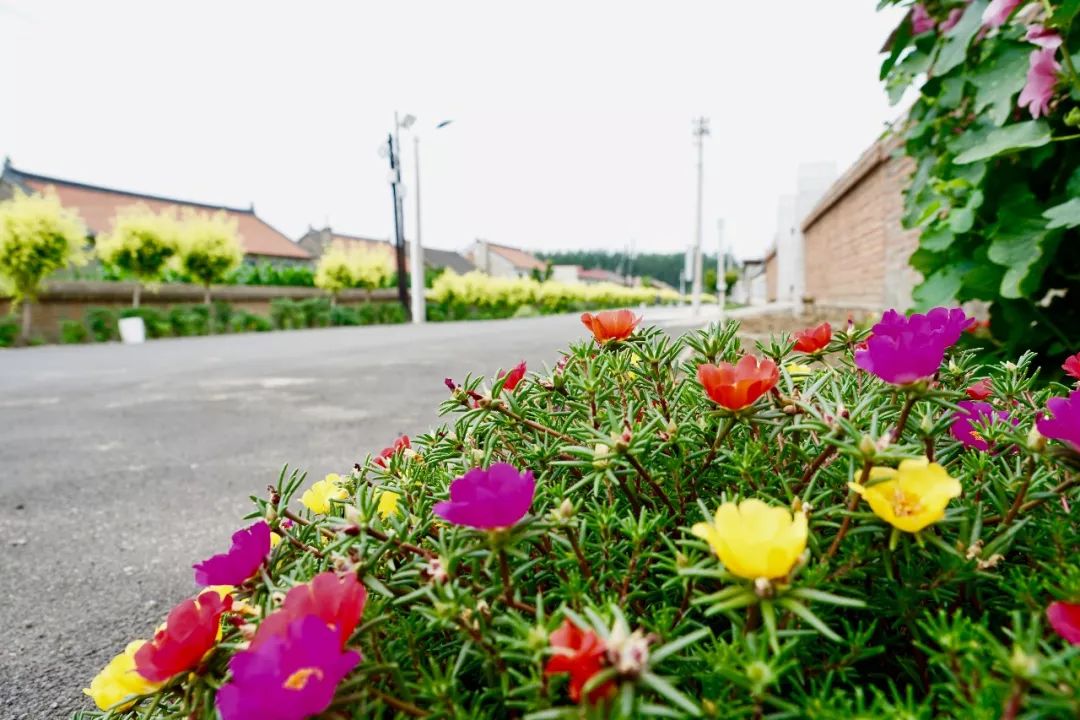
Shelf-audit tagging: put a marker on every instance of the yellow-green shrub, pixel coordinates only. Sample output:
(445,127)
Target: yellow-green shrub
(140,244)
(209,248)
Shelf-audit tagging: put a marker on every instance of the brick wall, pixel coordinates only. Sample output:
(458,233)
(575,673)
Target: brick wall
(856,250)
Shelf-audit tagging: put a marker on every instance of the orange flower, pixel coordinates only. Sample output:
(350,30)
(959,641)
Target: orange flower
(737,386)
(611,324)
(582,654)
(813,339)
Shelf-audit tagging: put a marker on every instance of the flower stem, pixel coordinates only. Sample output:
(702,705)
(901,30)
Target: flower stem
(580,555)
(504,571)
(500,407)
(853,502)
(1020,494)
(808,475)
(644,475)
(905,412)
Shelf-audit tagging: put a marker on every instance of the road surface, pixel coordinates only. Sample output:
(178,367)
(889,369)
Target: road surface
(120,466)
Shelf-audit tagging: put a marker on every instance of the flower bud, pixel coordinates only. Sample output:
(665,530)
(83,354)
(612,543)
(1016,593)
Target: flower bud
(477,455)
(536,639)
(1072,118)
(600,456)
(760,674)
(1023,665)
(435,571)
(672,427)
(867,447)
(926,424)
(271,514)
(352,515)
(1036,442)
(763,588)
(566,510)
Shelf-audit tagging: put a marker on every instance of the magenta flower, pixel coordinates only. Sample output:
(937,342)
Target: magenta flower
(998,11)
(920,20)
(488,499)
(250,547)
(1043,37)
(1041,79)
(1065,423)
(975,413)
(950,22)
(904,350)
(291,676)
(1065,619)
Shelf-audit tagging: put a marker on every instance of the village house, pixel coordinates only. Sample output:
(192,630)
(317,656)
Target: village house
(98,206)
(316,242)
(503,261)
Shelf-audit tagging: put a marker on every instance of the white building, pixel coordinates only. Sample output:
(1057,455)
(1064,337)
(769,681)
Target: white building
(503,261)
(812,182)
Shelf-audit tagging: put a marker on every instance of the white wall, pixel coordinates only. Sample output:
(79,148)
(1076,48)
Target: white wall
(813,181)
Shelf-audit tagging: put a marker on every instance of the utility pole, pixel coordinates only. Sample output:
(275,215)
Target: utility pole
(721,270)
(416,259)
(399,217)
(701,129)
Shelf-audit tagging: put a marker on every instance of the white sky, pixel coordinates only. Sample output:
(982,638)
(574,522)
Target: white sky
(572,120)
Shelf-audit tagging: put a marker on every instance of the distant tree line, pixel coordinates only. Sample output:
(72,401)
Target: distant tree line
(661,266)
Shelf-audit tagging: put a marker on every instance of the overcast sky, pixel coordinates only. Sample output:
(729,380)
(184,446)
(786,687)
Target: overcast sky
(571,120)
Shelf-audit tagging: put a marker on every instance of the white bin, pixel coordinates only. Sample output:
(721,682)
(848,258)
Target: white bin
(132,330)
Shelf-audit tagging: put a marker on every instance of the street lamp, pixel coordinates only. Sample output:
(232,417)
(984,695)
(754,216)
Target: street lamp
(416,250)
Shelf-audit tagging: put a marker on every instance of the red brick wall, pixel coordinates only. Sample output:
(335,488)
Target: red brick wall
(855,248)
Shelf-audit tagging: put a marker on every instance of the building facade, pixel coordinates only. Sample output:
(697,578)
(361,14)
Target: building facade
(503,261)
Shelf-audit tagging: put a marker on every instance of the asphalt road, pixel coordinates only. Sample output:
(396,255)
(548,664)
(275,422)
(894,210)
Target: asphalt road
(120,466)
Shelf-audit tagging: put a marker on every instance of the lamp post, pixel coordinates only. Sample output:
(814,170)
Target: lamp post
(416,249)
(701,129)
(399,215)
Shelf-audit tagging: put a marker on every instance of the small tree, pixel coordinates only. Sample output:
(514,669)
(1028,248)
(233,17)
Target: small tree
(334,273)
(209,248)
(140,245)
(38,236)
(371,268)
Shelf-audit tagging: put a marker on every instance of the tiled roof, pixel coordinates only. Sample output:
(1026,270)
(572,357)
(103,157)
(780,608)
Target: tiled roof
(432,258)
(99,205)
(518,258)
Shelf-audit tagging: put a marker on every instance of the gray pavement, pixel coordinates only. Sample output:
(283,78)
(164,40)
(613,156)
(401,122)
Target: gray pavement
(120,466)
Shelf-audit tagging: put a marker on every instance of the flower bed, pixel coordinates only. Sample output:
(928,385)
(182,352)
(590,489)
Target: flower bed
(869,525)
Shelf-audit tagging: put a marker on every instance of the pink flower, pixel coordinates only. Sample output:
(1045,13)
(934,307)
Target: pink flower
(980,389)
(1071,366)
(920,20)
(1065,423)
(1041,79)
(336,600)
(974,414)
(402,443)
(291,676)
(1065,619)
(250,547)
(904,350)
(488,499)
(950,22)
(998,11)
(515,376)
(1043,37)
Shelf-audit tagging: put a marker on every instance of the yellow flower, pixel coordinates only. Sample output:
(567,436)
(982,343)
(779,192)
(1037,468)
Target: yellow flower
(388,503)
(317,498)
(118,680)
(754,540)
(911,497)
(797,370)
(274,539)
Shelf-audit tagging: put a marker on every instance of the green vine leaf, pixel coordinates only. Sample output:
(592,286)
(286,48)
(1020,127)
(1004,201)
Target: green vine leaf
(999,79)
(939,288)
(1065,215)
(959,37)
(1009,139)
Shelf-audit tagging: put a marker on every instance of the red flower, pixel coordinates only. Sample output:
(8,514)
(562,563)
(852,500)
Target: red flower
(337,601)
(190,632)
(611,324)
(388,452)
(1065,619)
(813,339)
(737,386)
(582,654)
(513,377)
(1071,366)
(979,390)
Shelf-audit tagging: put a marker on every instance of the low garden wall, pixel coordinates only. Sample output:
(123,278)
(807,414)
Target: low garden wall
(71,299)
